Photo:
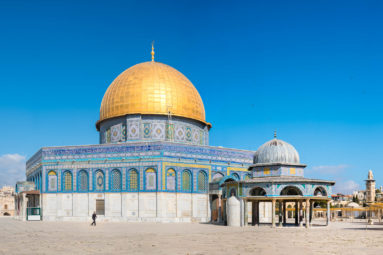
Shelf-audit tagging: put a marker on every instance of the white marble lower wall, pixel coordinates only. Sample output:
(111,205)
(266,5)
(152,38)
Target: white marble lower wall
(147,206)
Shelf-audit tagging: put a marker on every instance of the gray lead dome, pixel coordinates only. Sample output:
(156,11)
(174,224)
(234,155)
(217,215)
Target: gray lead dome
(276,151)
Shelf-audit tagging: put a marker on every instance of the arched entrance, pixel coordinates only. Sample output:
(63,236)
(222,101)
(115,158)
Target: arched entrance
(298,212)
(320,191)
(257,191)
(291,191)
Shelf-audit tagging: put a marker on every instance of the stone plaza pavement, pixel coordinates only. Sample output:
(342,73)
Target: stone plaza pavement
(171,238)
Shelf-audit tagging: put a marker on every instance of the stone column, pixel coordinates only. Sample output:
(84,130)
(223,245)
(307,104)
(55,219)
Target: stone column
(224,205)
(273,213)
(219,208)
(284,213)
(24,207)
(311,211)
(254,213)
(296,212)
(307,213)
(245,217)
(328,213)
(280,214)
(300,213)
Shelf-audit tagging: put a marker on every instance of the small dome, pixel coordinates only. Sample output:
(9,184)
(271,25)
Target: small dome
(352,205)
(276,151)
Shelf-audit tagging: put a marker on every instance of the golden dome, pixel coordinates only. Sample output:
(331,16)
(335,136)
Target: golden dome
(152,88)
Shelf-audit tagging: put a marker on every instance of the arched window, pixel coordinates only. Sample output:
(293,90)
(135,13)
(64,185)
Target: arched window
(82,181)
(52,181)
(133,180)
(5,207)
(150,176)
(186,181)
(115,180)
(217,176)
(99,180)
(236,176)
(171,179)
(202,183)
(67,181)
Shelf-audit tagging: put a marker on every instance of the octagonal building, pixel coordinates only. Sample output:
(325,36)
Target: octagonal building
(154,162)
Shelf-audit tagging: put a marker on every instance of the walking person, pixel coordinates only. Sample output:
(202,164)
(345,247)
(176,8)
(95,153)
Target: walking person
(94,216)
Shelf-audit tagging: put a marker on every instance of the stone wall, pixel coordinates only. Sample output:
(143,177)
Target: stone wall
(7,201)
(145,206)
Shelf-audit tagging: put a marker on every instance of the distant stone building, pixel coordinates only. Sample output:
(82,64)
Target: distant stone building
(7,201)
(340,200)
(370,188)
(359,196)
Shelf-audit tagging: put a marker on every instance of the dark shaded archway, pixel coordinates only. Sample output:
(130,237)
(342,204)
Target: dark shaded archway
(291,191)
(320,191)
(257,191)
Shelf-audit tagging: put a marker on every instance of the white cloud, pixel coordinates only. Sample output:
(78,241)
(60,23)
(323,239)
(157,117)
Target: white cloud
(338,174)
(330,169)
(345,187)
(12,169)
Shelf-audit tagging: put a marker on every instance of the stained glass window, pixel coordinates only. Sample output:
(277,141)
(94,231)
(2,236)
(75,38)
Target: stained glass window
(133,180)
(202,184)
(171,179)
(83,181)
(67,181)
(116,180)
(52,181)
(99,180)
(186,181)
(151,183)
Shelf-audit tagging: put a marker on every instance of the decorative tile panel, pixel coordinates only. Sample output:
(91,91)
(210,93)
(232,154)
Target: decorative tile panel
(158,131)
(147,131)
(170,132)
(188,134)
(133,130)
(116,133)
(180,133)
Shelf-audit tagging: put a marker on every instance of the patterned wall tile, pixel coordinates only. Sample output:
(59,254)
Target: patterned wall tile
(170,132)
(116,133)
(188,134)
(146,129)
(158,131)
(196,136)
(133,130)
(180,133)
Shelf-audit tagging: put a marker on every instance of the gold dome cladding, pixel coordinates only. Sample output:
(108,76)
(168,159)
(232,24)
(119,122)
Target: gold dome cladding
(152,88)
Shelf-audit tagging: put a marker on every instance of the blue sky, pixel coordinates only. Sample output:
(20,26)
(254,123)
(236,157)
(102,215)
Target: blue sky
(312,70)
